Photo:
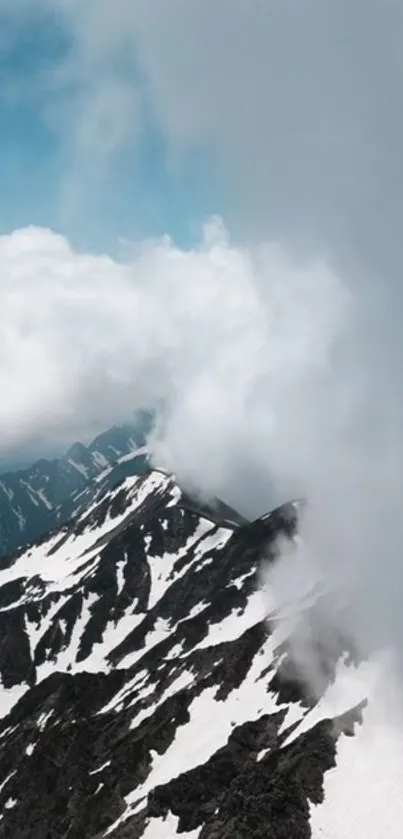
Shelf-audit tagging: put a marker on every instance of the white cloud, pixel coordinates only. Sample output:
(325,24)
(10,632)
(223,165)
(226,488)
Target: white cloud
(263,365)
(224,336)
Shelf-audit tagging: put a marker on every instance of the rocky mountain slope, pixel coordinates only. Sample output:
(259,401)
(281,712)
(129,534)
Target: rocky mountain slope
(149,691)
(34,500)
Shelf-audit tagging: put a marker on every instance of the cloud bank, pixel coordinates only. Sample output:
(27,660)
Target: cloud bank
(227,339)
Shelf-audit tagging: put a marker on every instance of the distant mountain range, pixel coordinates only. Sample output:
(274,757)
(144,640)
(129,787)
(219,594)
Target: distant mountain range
(37,499)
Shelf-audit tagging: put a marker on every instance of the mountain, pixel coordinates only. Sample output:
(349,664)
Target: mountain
(149,688)
(35,500)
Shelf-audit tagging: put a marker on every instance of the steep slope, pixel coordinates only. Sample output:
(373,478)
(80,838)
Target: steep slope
(34,500)
(145,694)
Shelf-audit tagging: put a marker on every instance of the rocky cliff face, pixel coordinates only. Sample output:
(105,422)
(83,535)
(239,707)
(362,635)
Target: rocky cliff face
(149,690)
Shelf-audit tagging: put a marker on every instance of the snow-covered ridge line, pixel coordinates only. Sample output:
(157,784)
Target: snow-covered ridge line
(60,570)
(151,670)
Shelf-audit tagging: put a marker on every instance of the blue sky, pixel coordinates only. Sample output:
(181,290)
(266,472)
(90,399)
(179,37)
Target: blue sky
(135,193)
(136,117)
(139,117)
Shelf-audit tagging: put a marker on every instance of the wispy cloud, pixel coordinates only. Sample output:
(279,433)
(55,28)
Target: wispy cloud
(298,103)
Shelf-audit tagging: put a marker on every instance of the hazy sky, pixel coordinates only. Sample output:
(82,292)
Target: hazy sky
(141,117)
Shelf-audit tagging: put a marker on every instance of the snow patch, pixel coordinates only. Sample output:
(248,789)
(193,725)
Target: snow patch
(167,829)
(236,624)
(79,467)
(364,792)
(100,768)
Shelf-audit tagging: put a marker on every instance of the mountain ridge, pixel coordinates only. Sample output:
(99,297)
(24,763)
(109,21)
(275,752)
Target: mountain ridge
(149,689)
